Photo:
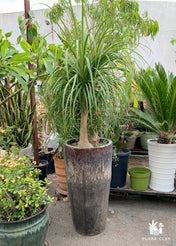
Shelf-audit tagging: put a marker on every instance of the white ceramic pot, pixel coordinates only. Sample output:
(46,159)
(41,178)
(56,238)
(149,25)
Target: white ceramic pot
(24,152)
(162,163)
(2,152)
(27,151)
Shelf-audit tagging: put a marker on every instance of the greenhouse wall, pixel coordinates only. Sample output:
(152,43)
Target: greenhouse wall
(159,50)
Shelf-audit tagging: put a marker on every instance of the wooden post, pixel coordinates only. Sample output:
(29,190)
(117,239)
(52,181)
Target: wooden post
(32,93)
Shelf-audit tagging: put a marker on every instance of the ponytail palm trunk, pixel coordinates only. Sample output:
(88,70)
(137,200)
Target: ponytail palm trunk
(85,83)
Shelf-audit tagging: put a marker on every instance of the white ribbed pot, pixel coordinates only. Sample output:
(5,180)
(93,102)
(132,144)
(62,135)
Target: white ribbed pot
(27,151)
(2,152)
(162,163)
(24,152)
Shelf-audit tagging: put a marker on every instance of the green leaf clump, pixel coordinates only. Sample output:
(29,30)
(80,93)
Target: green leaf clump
(159,90)
(21,192)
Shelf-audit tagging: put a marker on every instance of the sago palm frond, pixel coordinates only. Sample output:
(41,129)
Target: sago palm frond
(159,90)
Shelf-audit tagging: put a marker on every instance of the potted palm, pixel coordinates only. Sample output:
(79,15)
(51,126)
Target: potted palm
(23,201)
(158,89)
(80,91)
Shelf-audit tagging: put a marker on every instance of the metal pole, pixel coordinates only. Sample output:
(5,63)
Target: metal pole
(32,93)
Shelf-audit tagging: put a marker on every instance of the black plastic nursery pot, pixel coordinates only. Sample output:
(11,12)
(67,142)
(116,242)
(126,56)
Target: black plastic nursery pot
(119,169)
(44,169)
(27,232)
(88,173)
(49,157)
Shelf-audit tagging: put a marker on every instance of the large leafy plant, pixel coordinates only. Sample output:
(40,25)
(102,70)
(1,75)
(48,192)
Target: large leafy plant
(159,90)
(18,116)
(85,83)
(21,192)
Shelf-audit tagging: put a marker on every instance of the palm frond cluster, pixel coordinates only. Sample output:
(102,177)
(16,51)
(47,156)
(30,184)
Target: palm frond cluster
(159,90)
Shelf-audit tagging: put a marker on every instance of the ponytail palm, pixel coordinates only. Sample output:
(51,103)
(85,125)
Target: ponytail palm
(85,83)
(159,90)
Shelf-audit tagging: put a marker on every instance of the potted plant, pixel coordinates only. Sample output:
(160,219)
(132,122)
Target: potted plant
(23,202)
(116,130)
(45,134)
(17,116)
(158,89)
(80,91)
(60,169)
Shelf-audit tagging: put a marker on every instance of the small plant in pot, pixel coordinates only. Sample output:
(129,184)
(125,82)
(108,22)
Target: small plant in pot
(23,203)
(158,88)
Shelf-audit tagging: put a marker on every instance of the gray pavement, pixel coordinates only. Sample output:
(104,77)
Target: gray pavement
(127,222)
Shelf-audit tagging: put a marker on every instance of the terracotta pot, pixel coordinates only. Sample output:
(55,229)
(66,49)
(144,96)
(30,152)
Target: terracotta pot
(61,176)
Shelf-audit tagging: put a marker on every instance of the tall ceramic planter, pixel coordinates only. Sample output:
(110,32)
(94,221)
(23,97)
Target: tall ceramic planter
(162,163)
(88,172)
(27,232)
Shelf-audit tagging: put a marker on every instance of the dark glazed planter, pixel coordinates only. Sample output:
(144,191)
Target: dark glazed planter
(27,232)
(88,172)
(119,169)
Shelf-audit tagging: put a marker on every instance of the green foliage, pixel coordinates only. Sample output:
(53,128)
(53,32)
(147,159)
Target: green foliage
(12,63)
(159,90)
(86,78)
(18,116)
(42,56)
(127,18)
(21,192)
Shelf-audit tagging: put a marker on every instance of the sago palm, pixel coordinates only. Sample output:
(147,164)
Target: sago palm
(85,83)
(159,90)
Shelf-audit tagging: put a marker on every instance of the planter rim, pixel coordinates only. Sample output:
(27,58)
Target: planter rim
(55,157)
(42,161)
(23,220)
(139,172)
(22,148)
(154,142)
(126,152)
(87,148)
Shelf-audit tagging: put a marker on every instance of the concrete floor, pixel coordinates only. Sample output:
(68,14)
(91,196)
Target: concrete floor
(127,222)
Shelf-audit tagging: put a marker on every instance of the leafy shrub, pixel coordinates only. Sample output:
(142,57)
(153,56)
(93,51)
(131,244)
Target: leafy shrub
(21,193)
